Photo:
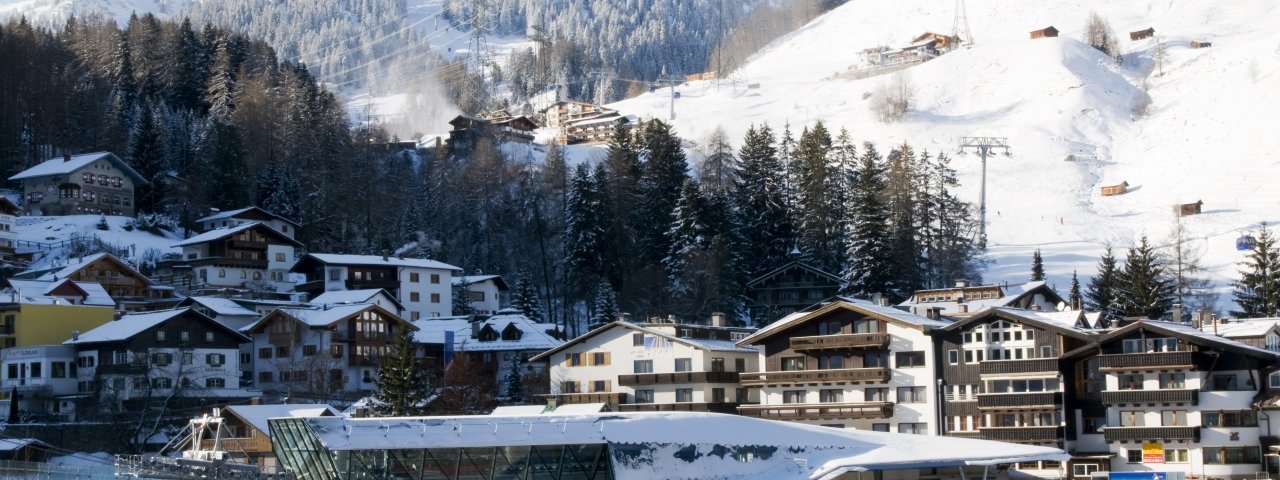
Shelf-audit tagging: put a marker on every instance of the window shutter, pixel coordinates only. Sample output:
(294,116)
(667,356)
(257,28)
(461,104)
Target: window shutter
(607,359)
(568,360)
(608,385)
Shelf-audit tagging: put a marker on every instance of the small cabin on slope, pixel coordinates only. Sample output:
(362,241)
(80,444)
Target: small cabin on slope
(1142,34)
(1044,32)
(1117,189)
(1190,208)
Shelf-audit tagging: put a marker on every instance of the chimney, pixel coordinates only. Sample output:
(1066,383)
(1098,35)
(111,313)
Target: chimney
(66,157)
(964,308)
(1177,313)
(624,317)
(671,319)
(717,319)
(1035,307)
(961,283)
(75,335)
(475,329)
(255,401)
(877,299)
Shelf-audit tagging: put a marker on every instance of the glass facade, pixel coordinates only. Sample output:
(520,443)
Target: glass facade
(300,451)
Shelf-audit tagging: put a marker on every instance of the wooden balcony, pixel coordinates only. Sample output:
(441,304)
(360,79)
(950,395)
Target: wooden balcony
(714,407)
(1139,434)
(1139,361)
(1136,397)
(843,375)
(229,262)
(677,378)
(819,411)
(831,342)
(362,361)
(253,444)
(1004,367)
(1022,434)
(1019,401)
(248,245)
(612,398)
(360,337)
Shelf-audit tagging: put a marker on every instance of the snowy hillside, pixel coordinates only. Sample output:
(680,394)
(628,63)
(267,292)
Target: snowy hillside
(54,12)
(1202,139)
(54,238)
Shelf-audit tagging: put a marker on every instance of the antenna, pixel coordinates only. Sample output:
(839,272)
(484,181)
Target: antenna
(984,145)
(960,26)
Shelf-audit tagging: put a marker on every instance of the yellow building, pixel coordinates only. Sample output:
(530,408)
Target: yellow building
(49,313)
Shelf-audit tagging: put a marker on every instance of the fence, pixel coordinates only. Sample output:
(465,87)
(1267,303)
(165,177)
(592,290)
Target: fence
(11,469)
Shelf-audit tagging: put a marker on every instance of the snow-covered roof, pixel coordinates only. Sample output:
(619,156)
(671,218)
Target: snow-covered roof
(224,232)
(323,316)
(1191,331)
(338,297)
(830,452)
(257,415)
(470,279)
(1184,332)
(11,444)
(699,343)
(1010,294)
(859,305)
(375,260)
(57,273)
(132,324)
(431,330)
(1065,321)
(534,335)
(223,306)
(61,166)
(39,291)
(1253,327)
(233,213)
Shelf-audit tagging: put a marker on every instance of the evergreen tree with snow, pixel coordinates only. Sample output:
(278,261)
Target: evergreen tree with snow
(818,229)
(904,206)
(1101,292)
(950,244)
(1037,267)
(525,299)
(868,264)
(402,383)
(663,175)
(759,204)
(585,231)
(514,382)
(146,156)
(604,305)
(221,87)
(1143,286)
(461,304)
(1073,297)
(688,232)
(1258,290)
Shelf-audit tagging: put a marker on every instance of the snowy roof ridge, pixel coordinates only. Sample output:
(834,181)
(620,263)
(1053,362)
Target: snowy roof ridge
(354,259)
(232,213)
(220,233)
(95,294)
(65,166)
(856,304)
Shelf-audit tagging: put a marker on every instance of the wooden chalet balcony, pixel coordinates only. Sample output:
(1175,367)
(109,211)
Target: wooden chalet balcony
(677,378)
(612,398)
(714,407)
(1016,401)
(844,340)
(362,361)
(1151,396)
(280,338)
(360,337)
(389,284)
(116,281)
(1139,434)
(819,411)
(260,263)
(1002,367)
(248,245)
(1022,434)
(1135,361)
(815,376)
(253,444)
(310,285)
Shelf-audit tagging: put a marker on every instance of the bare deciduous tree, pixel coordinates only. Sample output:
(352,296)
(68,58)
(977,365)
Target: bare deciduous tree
(892,99)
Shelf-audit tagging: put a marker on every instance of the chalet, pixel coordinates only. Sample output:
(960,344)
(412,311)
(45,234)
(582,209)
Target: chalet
(232,218)
(377,296)
(1259,332)
(1044,32)
(963,299)
(251,256)
(246,438)
(90,183)
(467,129)
(486,294)
(788,289)
(8,236)
(923,47)
(584,123)
(222,310)
(1200,44)
(130,289)
(1142,34)
(563,113)
(424,287)
(850,363)
(325,352)
(495,344)
(655,367)
(1189,208)
(1117,189)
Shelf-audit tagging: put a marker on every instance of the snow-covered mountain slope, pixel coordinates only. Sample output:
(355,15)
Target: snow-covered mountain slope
(1203,137)
(53,13)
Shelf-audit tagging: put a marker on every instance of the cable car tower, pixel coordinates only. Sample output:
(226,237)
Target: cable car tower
(984,146)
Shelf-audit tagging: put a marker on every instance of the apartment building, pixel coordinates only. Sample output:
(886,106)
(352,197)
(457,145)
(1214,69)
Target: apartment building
(423,287)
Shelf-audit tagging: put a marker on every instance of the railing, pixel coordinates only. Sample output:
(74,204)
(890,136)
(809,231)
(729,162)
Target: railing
(850,340)
(677,378)
(1001,367)
(362,361)
(1151,396)
(1022,434)
(1129,361)
(714,407)
(390,285)
(1019,400)
(372,337)
(805,376)
(819,411)
(248,245)
(1112,434)
(310,285)
(614,398)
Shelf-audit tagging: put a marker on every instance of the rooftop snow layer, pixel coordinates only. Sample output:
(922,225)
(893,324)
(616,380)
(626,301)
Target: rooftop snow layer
(375,260)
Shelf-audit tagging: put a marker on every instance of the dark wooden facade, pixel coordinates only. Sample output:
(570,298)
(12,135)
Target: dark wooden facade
(1044,32)
(1190,208)
(1142,34)
(788,289)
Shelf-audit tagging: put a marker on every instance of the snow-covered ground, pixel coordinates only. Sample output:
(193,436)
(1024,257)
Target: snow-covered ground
(1204,137)
(55,231)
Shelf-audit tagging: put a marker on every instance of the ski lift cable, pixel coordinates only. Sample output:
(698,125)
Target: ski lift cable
(319,49)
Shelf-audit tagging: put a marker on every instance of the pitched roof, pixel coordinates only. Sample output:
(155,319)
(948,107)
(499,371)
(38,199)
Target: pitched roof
(132,324)
(257,415)
(1009,295)
(1252,327)
(431,330)
(234,213)
(1182,332)
(338,297)
(375,260)
(470,279)
(701,344)
(224,232)
(1066,322)
(320,317)
(61,166)
(864,307)
(40,291)
(533,335)
(222,306)
(55,273)
(793,263)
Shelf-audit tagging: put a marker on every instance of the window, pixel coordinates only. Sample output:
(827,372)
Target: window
(282,351)
(684,395)
(911,395)
(161,383)
(568,387)
(1173,418)
(1241,418)
(308,350)
(599,359)
(208,336)
(717,364)
(914,428)
(909,359)
(739,364)
(875,359)
(1045,351)
(222,273)
(830,395)
(160,335)
(1132,418)
(413,277)
(264,352)
(161,359)
(1224,383)
(880,427)
(1274,380)
(684,365)
(34,369)
(59,370)
(717,395)
(335,351)
(215,359)
(637,339)
(1083,469)
(643,366)
(740,395)
(1131,382)
(791,364)
(335,275)
(435,278)
(1150,345)
(573,359)
(866,325)
(953,357)
(793,396)
(644,396)
(600,386)
(1230,455)
(829,327)
(216,382)
(1133,456)
(1176,455)
(435,298)
(1173,380)
(877,394)
(413,297)
(187,358)
(830,362)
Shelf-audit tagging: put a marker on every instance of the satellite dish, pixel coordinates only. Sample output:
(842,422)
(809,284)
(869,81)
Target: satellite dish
(1062,306)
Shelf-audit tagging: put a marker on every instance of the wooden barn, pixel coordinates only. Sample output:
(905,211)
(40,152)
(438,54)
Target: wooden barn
(1044,32)
(1141,34)
(1190,208)
(1117,189)
(937,41)
(1199,44)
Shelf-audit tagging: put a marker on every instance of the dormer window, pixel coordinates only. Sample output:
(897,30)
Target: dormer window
(1273,342)
(512,333)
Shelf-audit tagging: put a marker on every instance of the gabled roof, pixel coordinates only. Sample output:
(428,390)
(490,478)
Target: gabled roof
(321,317)
(533,335)
(1252,327)
(1182,332)
(220,305)
(788,266)
(132,324)
(431,330)
(373,261)
(43,291)
(221,233)
(1009,295)
(470,279)
(1062,322)
(701,344)
(61,166)
(257,415)
(237,213)
(56,273)
(871,309)
(338,297)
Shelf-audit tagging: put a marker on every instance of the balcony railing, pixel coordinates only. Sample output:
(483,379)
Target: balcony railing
(1013,401)
(613,398)
(714,407)
(362,337)
(310,285)
(362,361)
(1022,434)
(1112,434)
(1151,396)
(677,378)
(815,376)
(248,245)
(1001,367)
(1131,361)
(819,411)
(848,340)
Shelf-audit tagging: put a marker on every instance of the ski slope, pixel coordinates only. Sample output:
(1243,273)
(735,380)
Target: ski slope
(1202,138)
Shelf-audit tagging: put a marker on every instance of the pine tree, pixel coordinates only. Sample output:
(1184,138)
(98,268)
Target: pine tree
(525,299)
(760,209)
(221,87)
(146,156)
(604,307)
(1037,267)
(687,233)
(952,248)
(402,384)
(1074,298)
(818,229)
(902,195)
(585,231)
(1101,292)
(1143,286)
(663,174)
(869,266)
(461,305)
(1258,290)
(514,383)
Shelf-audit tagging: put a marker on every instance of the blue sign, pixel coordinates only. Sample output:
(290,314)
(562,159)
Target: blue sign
(1138,476)
(448,350)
